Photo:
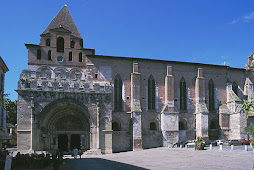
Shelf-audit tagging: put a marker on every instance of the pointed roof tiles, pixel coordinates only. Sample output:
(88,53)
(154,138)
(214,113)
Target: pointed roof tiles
(64,20)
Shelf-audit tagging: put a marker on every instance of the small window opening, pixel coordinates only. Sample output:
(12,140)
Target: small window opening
(153,126)
(72,44)
(48,42)
(49,55)
(80,57)
(60,44)
(96,75)
(115,126)
(81,43)
(38,54)
(70,56)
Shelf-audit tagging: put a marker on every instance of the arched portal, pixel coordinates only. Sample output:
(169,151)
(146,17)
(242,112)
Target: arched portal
(65,124)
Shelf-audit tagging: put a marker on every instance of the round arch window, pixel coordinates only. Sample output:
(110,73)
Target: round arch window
(60,59)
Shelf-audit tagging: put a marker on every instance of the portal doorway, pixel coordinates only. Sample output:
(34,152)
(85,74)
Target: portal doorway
(75,141)
(62,142)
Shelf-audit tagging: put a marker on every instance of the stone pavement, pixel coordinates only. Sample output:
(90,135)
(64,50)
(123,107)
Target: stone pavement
(166,158)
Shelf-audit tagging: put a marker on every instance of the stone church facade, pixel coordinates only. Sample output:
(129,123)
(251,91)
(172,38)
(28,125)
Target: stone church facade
(70,97)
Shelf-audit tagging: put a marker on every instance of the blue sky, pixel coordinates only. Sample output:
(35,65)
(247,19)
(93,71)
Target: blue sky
(206,31)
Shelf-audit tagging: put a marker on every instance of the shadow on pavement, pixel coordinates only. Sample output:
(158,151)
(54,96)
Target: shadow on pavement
(95,163)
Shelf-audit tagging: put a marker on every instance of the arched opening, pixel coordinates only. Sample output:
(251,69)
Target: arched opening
(151,93)
(118,93)
(65,125)
(116,126)
(81,43)
(153,126)
(60,44)
(183,95)
(38,54)
(48,42)
(213,129)
(70,56)
(72,44)
(80,57)
(49,55)
(182,125)
(211,95)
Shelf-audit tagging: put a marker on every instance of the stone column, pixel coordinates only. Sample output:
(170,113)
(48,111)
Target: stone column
(201,109)
(169,116)
(136,108)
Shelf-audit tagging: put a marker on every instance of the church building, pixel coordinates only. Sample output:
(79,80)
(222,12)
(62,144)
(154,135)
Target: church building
(70,97)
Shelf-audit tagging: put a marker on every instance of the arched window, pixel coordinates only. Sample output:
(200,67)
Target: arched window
(60,44)
(183,95)
(49,55)
(211,95)
(81,43)
(72,44)
(48,42)
(116,126)
(38,54)
(151,93)
(235,88)
(80,57)
(153,126)
(118,93)
(70,56)
(182,126)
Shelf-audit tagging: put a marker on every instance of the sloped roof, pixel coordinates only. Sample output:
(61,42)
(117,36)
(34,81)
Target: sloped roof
(63,20)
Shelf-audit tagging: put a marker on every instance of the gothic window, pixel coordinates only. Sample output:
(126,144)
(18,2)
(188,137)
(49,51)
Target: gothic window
(118,92)
(182,126)
(49,55)
(60,44)
(80,57)
(153,126)
(48,42)
(70,56)
(211,95)
(38,54)
(151,93)
(235,88)
(115,126)
(81,43)
(72,44)
(183,95)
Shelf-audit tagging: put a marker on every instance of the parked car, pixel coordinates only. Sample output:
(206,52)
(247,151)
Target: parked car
(220,141)
(233,142)
(244,142)
(190,143)
(183,143)
(213,142)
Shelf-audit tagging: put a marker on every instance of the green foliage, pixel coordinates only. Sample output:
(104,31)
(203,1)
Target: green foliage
(250,130)
(252,142)
(11,110)
(199,143)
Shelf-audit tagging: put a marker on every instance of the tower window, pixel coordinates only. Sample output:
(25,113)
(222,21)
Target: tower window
(81,43)
(70,56)
(118,93)
(72,44)
(80,57)
(151,93)
(48,42)
(49,55)
(183,95)
(60,44)
(235,88)
(211,95)
(115,126)
(38,54)
(153,126)
(182,125)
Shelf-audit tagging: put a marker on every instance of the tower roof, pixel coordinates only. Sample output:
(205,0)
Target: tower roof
(63,20)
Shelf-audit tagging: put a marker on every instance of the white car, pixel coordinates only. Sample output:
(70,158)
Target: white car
(220,142)
(190,143)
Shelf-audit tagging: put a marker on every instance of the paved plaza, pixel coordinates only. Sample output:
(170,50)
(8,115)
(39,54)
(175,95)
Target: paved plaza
(168,158)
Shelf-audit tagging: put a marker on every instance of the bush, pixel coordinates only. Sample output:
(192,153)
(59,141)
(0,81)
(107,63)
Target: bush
(199,144)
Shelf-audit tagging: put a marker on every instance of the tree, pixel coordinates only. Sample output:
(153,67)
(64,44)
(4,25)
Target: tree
(248,106)
(11,111)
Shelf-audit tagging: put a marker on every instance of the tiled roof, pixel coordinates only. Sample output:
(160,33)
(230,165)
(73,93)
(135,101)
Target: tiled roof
(64,20)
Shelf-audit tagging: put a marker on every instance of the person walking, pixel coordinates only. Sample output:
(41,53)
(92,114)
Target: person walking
(75,153)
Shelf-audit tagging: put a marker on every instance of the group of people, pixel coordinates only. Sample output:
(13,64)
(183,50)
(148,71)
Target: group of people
(76,152)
